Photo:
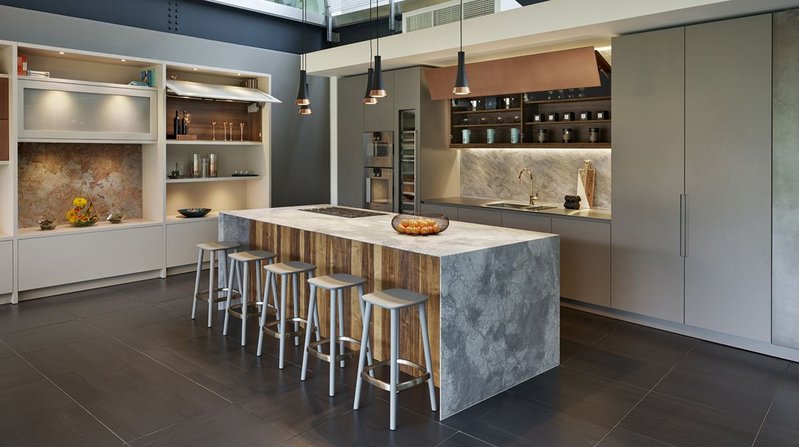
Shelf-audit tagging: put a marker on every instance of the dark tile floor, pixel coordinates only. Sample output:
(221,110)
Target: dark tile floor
(126,366)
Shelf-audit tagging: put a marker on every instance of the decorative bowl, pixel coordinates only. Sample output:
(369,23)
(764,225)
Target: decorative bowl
(194,212)
(420,225)
(46,224)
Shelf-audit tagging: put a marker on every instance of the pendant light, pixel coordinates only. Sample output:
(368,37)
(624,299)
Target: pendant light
(303,98)
(368,99)
(461,86)
(378,91)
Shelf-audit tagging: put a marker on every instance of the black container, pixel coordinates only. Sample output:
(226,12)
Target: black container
(568,116)
(539,117)
(602,115)
(553,117)
(584,116)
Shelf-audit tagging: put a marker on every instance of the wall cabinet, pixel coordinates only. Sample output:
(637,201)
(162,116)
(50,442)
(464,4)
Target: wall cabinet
(57,110)
(182,239)
(350,153)
(584,260)
(380,116)
(691,203)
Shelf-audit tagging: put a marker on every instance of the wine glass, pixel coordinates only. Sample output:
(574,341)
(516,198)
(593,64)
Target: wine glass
(213,130)
(241,127)
(224,123)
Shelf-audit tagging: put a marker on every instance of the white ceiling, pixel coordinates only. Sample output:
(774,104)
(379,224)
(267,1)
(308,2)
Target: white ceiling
(547,26)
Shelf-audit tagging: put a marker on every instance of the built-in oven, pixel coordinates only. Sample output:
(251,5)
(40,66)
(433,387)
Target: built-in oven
(379,148)
(379,188)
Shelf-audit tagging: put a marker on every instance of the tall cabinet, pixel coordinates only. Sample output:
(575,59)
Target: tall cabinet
(692,176)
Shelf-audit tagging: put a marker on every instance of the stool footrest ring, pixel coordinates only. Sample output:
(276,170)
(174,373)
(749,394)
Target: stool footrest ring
(312,349)
(401,386)
(269,325)
(202,295)
(252,310)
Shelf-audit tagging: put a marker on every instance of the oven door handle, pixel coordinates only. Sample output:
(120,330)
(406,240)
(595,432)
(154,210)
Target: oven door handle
(368,189)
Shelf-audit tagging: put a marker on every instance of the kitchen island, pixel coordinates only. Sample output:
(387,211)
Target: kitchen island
(494,292)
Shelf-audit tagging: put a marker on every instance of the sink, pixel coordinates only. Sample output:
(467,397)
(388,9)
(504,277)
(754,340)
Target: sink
(517,206)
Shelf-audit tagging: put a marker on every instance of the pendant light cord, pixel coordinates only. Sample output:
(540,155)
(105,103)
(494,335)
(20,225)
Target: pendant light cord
(370,34)
(461,48)
(377,26)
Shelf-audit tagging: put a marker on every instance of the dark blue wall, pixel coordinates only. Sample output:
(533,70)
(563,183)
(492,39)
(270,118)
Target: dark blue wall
(188,17)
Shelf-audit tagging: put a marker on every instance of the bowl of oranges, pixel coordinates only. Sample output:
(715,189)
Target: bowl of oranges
(419,225)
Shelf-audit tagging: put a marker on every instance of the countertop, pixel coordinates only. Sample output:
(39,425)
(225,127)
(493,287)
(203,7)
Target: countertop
(460,237)
(559,211)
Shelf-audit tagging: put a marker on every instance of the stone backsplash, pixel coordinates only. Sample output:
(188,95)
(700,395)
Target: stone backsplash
(493,173)
(51,173)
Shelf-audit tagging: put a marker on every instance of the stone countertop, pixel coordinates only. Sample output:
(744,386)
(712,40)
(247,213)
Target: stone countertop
(460,237)
(602,214)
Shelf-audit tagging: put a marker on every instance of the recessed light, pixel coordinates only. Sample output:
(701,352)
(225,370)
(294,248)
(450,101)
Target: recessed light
(195,69)
(60,52)
(123,60)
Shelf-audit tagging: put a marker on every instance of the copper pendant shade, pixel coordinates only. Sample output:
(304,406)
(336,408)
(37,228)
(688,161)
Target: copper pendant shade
(368,99)
(461,85)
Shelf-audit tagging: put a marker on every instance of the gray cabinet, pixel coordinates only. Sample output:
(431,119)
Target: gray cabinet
(584,260)
(648,163)
(728,176)
(692,175)
(350,157)
(480,216)
(380,116)
(532,222)
(450,211)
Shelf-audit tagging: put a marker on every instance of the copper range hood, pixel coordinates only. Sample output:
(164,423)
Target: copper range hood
(574,68)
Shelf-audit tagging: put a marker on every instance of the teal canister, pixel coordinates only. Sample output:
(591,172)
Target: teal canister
(514,135)
(466,136)
(490,136)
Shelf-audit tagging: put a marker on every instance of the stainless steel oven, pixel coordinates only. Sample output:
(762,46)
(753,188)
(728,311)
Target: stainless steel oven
(379,148)
(379,188)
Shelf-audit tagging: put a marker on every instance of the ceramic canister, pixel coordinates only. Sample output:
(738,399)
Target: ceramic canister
(466,136)
(514,135)
(490,135)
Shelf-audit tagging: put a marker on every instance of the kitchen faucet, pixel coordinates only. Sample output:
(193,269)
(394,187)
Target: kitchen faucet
(533,192)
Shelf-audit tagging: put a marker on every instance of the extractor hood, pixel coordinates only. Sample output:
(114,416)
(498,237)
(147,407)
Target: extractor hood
(574,68)
(219,92)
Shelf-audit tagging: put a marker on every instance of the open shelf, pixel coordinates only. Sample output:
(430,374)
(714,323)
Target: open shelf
(4,162)
(466,112)
(562,122)
(488,125)
(532,146)
(65,228)
(178,218)
(214,179)
(212,143)
(557,101)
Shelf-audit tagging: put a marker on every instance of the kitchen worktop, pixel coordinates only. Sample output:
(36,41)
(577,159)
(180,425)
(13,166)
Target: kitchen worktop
(477,202)
(460,237)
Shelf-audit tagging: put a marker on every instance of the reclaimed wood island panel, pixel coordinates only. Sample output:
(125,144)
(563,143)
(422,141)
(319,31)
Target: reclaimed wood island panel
(493,313)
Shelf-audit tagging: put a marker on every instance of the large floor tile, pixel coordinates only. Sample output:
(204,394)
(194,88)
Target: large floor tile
(15,371)
(683,423)
(163,333)
(52,335)
(30,314)
(784,412)
(227,425)
(773,436)
(620,437)
(734,363)
(584,327)
(368,426)
(586,397)
(630,370)
(461,439)
(93,302)
(38,414)
(130,393)
(159,290)
(131,318)
(196,353)
(791,379)
(520,422)
(646,344)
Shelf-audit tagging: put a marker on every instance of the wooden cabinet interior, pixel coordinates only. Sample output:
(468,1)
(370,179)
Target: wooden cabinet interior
(205,112)
(513,112)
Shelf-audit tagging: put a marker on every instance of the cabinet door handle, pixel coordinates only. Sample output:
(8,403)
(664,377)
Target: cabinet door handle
(684,225)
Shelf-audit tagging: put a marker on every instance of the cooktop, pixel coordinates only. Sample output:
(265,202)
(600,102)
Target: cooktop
(338,211)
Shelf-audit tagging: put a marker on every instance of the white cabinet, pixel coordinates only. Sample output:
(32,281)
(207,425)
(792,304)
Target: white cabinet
(584,260)
(182,239)
(6,267)
(46,261)
(58,110)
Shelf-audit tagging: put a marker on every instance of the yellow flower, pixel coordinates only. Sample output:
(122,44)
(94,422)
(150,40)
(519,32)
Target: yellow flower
(79,202)
(72,215)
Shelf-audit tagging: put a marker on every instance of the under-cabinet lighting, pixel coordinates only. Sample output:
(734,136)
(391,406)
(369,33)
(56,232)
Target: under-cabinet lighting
(238,74)
(60,52)
(195,69)
(123,60)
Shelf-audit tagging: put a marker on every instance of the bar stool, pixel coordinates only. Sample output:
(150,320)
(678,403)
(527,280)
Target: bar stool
(213,249)
(394,300)
(335,284)
(244,310)
(286,270)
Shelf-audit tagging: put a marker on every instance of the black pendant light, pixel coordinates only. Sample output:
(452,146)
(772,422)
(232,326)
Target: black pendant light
(461,86)
(378,91)
(368,99)
(303,98)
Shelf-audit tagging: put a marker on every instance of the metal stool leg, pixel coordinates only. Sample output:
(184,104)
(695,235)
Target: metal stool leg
(365,344)
(197,282)
(283,291)
(296,294)
(340,300)
(332,378)
(316,319)
(211,288)
(229,297)
(394,371)
(273,285)
(311,310)
(262,320)
(367,315)
(244,299)
(428,359)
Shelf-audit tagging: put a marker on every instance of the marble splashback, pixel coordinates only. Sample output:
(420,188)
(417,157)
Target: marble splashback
(493,173)
(50,174)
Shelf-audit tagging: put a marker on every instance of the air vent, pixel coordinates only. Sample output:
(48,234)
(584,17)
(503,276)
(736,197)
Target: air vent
(448,12)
